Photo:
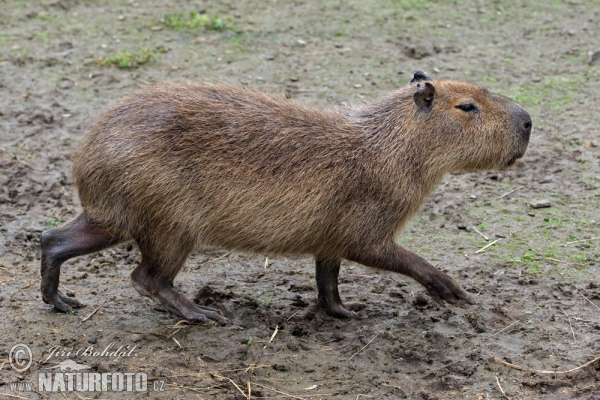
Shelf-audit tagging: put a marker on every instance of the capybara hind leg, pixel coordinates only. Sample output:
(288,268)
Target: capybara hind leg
(327,272)
(392,257)
(75,238)
(154,278)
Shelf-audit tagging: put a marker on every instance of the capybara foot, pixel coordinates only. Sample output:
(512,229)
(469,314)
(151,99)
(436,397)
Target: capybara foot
(342,310)
(62,303)
(442,287)
(180,306)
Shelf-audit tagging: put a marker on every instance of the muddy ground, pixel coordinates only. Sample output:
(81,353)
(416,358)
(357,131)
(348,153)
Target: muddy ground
(537,287)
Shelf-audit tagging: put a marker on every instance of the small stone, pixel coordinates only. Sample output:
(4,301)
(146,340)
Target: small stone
(421,300)
(358,85)
(592,143)
(539,204)
(121,17)
(92,340)
(500,236)
(301,42)
(464,227)
(269,57)
(294,79)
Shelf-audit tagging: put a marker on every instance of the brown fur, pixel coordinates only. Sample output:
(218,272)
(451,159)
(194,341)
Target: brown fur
(184,164)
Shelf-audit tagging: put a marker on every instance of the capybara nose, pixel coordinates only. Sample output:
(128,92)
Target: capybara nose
(528,125)
(523,123)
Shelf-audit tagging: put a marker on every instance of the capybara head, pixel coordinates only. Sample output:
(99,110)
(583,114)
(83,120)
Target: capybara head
(472,122)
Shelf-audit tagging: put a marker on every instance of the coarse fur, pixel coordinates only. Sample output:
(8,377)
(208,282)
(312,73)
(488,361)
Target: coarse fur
(185,164)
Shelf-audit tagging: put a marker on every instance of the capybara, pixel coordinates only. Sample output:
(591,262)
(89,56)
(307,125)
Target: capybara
(186,164)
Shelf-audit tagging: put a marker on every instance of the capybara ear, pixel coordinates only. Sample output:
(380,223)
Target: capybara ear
(424,96)
(420,76)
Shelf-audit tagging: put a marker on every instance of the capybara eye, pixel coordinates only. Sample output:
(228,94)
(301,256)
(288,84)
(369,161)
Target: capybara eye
(470,108)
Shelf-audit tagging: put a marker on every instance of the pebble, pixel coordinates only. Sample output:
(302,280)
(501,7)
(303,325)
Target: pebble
(540,204)
(92,340)
(464,227)
(421,300)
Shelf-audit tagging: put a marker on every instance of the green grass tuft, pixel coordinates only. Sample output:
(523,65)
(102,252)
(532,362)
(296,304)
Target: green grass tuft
(194,21)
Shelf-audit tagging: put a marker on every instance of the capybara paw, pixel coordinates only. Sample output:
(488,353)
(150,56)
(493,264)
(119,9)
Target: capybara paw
(354,306)
(180,306)
(444,289)
(63,303)
(346,310)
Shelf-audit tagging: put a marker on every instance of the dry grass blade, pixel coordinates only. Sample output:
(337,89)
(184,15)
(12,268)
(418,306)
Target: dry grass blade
(278,391)
(507,193)
(591,302)
(583,240)
(232,382)
(362,348)
(538,371)
(482,235)
(505,328)
(486,246)
(181,324)
(13,396)
(215,259)
(93,312)
(272,336)
(501,390)
(571,325)
(292,316)
(186,387)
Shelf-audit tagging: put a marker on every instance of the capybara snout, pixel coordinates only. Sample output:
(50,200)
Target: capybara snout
(180,165)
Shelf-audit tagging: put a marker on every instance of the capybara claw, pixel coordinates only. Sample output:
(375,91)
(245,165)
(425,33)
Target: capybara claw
(63,303)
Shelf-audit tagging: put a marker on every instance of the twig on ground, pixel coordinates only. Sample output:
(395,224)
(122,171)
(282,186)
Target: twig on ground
(505,328)
(93,312)
(291,316)
(13,396)
(501,390)
(538,371)
(234,384)
(215,259)
(583,240)
(362,348)
(507,193)
(277,391)
(272,336)
(486,246)
(569,318)
(591,302)
(186,387)
(482,235)
(178,344)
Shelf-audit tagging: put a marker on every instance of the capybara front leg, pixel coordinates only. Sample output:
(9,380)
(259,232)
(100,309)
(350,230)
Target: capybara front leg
(392,257)
(75,238)
(327,272)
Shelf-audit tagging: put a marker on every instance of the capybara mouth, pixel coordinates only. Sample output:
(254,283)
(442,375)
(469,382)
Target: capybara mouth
(515,158)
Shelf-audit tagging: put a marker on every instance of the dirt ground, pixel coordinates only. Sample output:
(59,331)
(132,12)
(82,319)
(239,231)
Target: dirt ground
(537,286)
